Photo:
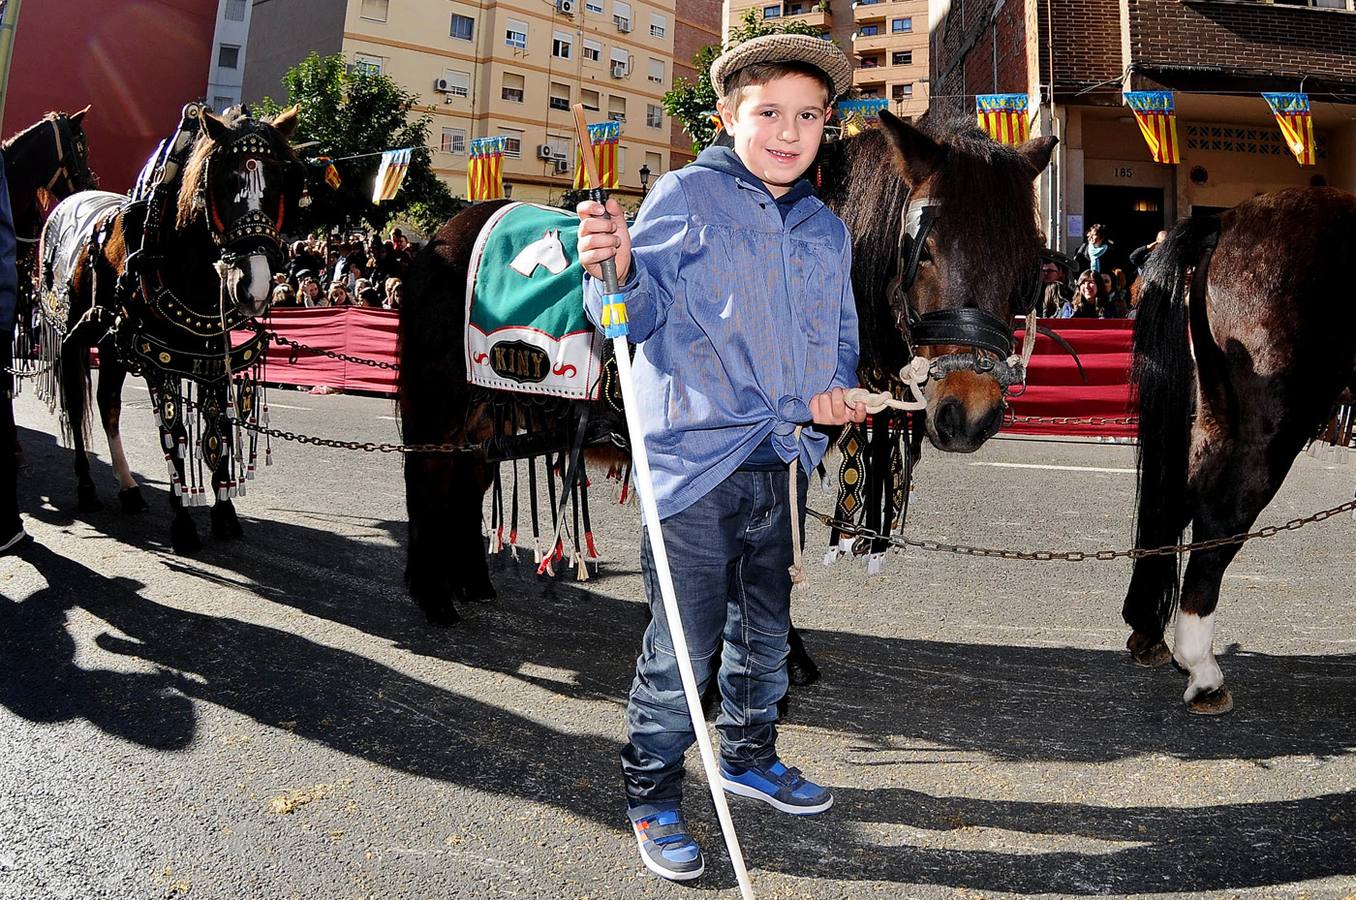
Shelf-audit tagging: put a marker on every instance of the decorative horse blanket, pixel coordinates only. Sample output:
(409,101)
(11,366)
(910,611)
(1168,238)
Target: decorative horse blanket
(525,324)
(65,240)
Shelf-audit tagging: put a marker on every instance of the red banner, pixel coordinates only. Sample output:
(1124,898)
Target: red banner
(353,331)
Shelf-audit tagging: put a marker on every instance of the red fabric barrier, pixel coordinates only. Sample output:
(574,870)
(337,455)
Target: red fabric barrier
(1054,387)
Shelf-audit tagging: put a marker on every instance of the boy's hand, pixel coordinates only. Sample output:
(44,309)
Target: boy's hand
(601,239)
(830,408)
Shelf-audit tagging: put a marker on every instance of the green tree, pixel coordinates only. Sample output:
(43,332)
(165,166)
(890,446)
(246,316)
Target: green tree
(693,104)
(351,115)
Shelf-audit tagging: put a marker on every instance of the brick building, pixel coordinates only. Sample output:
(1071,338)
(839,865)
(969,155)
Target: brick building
(1077,56)
(697,25)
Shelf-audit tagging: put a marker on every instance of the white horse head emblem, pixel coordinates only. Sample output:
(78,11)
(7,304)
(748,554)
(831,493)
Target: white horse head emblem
(545,251)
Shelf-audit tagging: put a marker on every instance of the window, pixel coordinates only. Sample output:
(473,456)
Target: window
(795,9)
(901,26)
(560,146)
(616,109)
(463,27)
(513,144)
(654,115)
(902,91)
(772,12)
(593,50)
(458,83)
(235,10)
(513,87)
(454,140)
(656,70)
(560,95)
(375,10)
(870,62)
(655,163)
(515,34)
(659,26)
(621,15)
(593,6)
(367,64)
(561,45)
(621,160)
(220,104)
(589,100)
(228,56)
(1317,4)
(901,58)
(621,58)
(869,31)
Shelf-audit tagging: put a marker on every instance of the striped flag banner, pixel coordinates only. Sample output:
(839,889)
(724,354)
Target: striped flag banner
(855,116)
(1004,117)
(1297,124)
(331,173)
(390,174)
(485,170)
(604,139)
(1157,122)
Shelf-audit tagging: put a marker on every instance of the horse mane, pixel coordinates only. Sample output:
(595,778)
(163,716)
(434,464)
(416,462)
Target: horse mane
(49,117)
(863,185)
(203,148)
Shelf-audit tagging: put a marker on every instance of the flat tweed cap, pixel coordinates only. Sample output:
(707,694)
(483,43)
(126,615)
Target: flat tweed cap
(823,55)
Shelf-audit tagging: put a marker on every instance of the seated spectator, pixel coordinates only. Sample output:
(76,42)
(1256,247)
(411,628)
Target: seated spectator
(338,296)
(1056,295)
(1088,302)
(369,297)
(395,292)
(308,291)
(283,295)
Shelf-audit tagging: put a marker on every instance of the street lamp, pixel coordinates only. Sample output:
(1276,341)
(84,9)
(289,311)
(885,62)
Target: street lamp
(644,180)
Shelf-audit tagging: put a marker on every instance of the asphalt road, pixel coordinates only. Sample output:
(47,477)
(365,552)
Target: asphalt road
(273,718)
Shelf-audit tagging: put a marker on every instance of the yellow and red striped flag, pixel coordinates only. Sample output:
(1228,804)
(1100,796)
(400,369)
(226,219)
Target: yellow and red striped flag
(1297,124)
(603,138)
(390,174)
(1003,117)
(485,168)
(1154,111)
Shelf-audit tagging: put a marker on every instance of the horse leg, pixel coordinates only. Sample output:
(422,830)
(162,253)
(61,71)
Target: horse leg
(433,554)
(109,397)
(173,435)
(75,402)
(476,477)
(225,523)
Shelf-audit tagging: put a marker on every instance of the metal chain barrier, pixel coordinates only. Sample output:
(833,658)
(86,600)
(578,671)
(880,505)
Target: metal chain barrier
(1079,555)
(1070,420)
(298,348)
(28,373)
(364,446)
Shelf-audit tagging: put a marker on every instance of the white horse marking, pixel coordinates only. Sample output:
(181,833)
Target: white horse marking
(545,251)
(1192,650)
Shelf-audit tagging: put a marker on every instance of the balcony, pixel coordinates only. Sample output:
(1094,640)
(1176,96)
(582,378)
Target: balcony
(818,18)
(870,44)
(869,75)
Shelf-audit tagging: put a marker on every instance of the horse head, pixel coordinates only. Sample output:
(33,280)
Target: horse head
(51,157)
(968,261)
(245,181)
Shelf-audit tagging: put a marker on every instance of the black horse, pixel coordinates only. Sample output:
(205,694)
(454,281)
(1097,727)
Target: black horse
(1245,339)
(158,282)
(946,250)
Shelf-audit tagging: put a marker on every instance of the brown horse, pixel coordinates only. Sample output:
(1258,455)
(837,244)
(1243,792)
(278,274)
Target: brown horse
(1245,338)
(158,282)
(946,250)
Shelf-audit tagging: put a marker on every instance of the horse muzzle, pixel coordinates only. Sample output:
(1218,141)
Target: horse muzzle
(247,281)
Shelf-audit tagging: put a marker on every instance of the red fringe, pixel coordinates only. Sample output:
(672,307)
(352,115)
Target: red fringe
(588,542)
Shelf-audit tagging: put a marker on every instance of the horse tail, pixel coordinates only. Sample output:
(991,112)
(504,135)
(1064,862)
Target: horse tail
(1162,381)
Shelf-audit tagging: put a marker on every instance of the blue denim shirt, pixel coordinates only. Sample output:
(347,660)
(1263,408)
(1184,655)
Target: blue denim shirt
(741,318)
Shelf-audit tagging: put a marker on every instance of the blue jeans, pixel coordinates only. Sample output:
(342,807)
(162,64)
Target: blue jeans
(729,553)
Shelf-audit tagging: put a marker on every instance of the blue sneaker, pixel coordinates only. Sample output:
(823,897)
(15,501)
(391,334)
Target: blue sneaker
(665,846)
(777,786)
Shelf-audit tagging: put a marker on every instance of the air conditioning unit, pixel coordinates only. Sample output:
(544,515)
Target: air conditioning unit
(565,7)
(562,166)
(545,151)
(618,69)
(442,85)
(623,25)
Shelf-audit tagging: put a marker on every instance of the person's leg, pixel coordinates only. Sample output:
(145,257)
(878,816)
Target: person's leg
(11,527)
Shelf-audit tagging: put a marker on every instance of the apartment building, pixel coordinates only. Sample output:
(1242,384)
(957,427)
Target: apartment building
(1075,58)
(227,69)
(886,40)
(493,67)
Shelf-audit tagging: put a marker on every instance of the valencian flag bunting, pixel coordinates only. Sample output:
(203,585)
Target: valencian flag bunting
(390,174)
(1297,124)
(1157,122)
(855,116)
(603,138)
(331,173)
(485,170)
(1003,117)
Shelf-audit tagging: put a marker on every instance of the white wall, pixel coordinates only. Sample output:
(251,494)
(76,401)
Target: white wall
(223,84)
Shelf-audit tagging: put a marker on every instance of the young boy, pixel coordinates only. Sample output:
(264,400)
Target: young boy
(737,281)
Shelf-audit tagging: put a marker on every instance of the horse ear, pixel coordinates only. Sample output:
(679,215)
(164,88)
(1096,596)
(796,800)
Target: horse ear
(216,129)
(1037,152)
(919,155)
(77,116)
(286,121)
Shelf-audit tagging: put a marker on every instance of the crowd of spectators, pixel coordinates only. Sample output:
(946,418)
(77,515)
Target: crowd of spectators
(1101,284)
(335,271)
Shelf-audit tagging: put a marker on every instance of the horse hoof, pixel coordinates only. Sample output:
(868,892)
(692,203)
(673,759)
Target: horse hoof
(184,537)
(132,501)
(1151,656)
(480,593)
(1212,703)
(802,675)
(86,500)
